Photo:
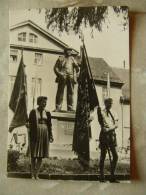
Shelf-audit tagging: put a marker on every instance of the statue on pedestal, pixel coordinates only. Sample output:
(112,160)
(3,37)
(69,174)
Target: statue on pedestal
(67,71)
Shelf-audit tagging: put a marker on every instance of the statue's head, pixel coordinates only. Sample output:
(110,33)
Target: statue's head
(68,51)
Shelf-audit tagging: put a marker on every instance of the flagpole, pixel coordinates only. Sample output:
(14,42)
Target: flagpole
(88,66)
(108,85)
(35,85)
(108,96)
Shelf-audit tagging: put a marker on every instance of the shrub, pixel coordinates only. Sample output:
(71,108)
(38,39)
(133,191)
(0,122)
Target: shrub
(17,162)
(12,160)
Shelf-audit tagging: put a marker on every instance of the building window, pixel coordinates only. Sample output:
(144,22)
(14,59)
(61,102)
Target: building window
(36,87)
(38,60)
(13,55)
(33,38)
(13,58)
(22,36)
(104,92)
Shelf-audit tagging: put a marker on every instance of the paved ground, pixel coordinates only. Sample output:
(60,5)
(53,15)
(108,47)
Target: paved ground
(22,186)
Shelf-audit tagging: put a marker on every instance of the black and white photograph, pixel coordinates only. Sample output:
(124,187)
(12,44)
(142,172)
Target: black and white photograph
(69,94)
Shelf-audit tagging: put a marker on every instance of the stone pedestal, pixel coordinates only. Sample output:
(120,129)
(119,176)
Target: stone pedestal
(62,127)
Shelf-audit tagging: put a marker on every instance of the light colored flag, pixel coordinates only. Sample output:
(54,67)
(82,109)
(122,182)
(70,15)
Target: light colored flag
(108,85)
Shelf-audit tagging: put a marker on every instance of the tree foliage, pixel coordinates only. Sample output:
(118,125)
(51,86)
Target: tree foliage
(66,19)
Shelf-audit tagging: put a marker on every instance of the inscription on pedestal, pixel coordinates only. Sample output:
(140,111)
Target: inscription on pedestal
(67,127)
(63,127)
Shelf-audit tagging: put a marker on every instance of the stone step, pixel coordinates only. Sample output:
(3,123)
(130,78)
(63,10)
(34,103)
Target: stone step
(84,176)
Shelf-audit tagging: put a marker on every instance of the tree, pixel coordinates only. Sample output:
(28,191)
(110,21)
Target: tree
(66,19)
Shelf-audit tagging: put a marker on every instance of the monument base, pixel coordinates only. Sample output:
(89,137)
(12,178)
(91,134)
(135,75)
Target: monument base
(62,128)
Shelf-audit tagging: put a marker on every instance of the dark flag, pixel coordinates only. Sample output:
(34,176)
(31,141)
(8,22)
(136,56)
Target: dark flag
(86,102)
(18,101)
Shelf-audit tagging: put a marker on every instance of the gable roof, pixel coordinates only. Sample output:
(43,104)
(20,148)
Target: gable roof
(49,35)
(124,75)
(100,68)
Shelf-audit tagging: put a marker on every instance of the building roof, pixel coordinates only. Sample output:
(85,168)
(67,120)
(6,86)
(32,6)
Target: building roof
(124,75)
(50,36)
(100,68)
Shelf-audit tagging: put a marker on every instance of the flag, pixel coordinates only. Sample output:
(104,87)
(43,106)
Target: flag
(108,85)
(18,100)
(87,100)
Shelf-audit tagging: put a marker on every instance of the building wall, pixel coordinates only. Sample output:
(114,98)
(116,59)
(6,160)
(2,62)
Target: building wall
(43,41)
(126,125)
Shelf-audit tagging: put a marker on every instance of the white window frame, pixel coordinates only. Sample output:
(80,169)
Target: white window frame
(36,88)
(33,38)
(38,60)
(22,36)
(13,55)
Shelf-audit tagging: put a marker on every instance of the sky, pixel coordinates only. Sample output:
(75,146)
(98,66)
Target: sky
(112,44)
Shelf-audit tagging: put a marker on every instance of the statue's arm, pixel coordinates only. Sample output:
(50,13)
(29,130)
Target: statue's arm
(76,65)
(56,67)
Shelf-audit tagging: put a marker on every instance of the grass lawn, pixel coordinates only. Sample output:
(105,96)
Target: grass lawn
(67,166)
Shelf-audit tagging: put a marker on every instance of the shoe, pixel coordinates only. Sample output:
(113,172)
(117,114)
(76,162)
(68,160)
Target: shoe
(70,110)
(102,179)
(57,110)
(36,176)
(32,176)
(113,180)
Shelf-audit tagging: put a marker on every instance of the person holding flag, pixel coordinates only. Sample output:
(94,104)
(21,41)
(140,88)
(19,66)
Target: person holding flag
(108,121)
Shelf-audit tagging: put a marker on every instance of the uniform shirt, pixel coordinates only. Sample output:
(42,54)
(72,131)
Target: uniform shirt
(108,120)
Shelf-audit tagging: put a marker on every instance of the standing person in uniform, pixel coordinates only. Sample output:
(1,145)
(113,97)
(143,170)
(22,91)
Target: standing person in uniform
(40,131)
(107,139)
(66,70)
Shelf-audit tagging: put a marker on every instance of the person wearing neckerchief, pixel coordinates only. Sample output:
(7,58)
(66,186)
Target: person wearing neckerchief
(107,138)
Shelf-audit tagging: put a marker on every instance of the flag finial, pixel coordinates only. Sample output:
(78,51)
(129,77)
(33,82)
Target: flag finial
(81,35)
